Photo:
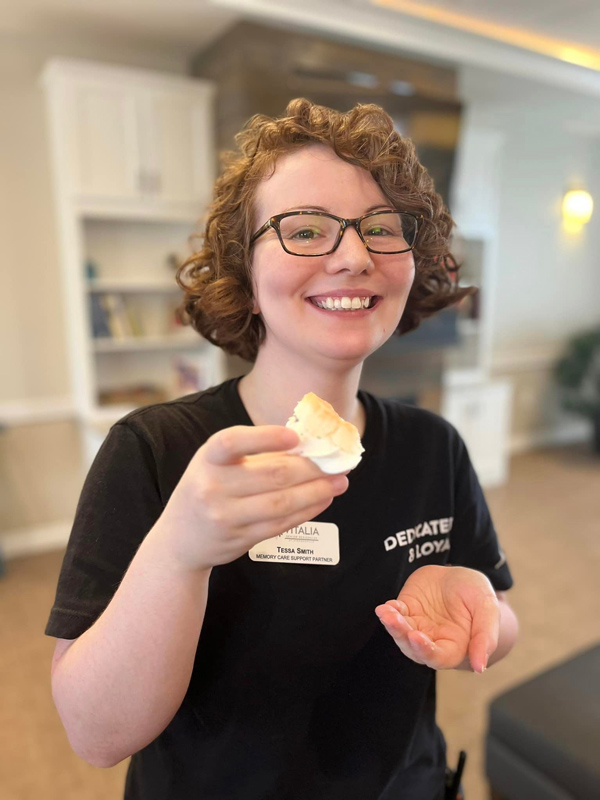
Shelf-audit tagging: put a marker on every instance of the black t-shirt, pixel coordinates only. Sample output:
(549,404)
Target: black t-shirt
(297,691)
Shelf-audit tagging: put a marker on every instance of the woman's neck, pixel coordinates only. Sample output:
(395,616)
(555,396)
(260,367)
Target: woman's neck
(272,389)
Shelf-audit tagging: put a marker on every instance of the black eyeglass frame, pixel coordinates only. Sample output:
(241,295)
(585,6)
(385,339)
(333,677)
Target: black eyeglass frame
(273,223)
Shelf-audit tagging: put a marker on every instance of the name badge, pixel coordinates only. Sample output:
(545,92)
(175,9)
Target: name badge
(316,543)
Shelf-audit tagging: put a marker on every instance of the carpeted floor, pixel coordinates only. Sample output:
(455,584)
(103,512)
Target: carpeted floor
(547,516)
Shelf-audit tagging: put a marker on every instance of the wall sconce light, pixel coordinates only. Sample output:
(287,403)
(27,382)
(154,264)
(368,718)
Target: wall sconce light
(577,209)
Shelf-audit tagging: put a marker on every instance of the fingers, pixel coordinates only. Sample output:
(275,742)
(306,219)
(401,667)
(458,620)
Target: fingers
(266,530)
(485,630)
(413,643)
(267,472)
(231,444)
(285,502)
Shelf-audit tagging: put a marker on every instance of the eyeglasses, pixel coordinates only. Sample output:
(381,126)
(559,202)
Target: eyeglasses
(315,233)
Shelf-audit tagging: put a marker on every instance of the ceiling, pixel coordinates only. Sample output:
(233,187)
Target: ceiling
(187,24)
(577,21)
(190,24)
(565,29)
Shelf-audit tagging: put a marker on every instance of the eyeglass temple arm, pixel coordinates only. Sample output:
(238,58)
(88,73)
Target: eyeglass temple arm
(262,230)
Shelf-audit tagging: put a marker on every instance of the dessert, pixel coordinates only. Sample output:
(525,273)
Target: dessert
(327,439)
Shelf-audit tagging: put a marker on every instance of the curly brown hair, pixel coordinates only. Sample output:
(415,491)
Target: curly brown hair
(217,280)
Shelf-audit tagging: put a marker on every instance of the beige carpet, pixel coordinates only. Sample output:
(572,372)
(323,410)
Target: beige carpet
(548,517)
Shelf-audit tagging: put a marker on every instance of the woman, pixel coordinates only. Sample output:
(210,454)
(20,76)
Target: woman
(227,676)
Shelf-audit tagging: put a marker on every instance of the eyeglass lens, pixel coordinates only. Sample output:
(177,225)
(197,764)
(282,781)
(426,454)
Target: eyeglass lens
(315,234)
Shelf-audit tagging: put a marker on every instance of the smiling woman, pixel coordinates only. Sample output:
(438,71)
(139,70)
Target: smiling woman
(230,612)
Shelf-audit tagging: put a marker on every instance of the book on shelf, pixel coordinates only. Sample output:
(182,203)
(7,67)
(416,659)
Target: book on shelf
(116,313)
(113,318)
(100,326)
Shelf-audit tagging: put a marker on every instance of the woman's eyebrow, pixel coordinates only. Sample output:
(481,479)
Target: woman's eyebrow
(327,211)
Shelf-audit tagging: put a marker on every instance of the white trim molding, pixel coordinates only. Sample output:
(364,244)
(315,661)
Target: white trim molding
(524,359)
(571,432)
(31,411)
(511,363)
(34,540)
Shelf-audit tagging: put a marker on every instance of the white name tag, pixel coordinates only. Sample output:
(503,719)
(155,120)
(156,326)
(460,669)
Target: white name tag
(309,543)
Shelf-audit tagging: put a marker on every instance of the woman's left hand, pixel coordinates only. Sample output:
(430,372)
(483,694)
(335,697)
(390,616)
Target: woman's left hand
(444,616)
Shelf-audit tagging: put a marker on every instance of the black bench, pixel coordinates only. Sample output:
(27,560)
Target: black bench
(543,740)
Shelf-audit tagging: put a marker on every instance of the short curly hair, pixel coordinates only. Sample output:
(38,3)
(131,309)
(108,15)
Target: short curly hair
(217,280)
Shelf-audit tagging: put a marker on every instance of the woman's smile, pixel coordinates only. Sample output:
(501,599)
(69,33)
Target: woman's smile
(350,305)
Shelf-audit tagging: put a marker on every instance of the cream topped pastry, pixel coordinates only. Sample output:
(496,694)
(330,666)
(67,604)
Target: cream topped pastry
(327,439)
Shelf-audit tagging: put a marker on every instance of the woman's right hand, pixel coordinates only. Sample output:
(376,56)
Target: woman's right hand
(240,488)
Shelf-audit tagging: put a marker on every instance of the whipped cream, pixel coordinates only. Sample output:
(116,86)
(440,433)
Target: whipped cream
(332,443)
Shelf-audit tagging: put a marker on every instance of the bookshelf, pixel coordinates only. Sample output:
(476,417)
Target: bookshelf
(133,163)
(138,352)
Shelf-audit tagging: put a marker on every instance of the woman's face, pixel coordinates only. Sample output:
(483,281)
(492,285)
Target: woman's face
(287,287)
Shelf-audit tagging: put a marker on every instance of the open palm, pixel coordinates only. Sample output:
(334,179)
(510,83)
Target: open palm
(444,615)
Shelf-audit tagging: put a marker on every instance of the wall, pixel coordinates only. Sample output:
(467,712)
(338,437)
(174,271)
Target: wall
(40,467)
(548,283)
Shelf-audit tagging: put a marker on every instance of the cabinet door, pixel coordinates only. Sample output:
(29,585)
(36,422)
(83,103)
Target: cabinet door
(481,414)
(105,140)
(177,147)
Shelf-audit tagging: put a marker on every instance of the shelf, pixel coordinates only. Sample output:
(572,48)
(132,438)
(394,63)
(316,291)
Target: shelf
(146,210)
(122,285)
(136,344)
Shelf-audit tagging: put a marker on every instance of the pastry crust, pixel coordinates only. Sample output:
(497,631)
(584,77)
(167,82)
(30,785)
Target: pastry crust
(327,439)
(319,419)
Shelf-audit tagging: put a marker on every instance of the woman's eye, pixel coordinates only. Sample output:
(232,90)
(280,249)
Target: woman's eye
(308,234)
(377,230)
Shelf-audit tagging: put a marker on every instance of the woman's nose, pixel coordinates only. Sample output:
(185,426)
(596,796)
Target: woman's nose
(351,254)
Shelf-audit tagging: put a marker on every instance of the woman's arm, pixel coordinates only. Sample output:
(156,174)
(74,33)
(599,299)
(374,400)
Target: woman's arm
(121,682)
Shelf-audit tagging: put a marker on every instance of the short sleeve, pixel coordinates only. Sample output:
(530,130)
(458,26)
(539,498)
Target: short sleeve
(119,504)
(474,542)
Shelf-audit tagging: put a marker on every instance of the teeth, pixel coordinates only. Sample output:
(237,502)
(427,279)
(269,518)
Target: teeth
(343,303)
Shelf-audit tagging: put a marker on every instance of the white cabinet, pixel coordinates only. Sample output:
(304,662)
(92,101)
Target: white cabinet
(104,160)
(132,156)
(133,142)
(481,414)
(176,147)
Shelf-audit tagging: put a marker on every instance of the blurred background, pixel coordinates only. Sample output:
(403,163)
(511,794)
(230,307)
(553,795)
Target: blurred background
(112,117)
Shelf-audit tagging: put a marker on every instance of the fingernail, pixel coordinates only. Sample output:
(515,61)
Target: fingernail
(339,483)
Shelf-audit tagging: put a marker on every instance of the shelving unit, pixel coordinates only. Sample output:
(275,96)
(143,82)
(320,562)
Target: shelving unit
(133,163)
(479,407)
